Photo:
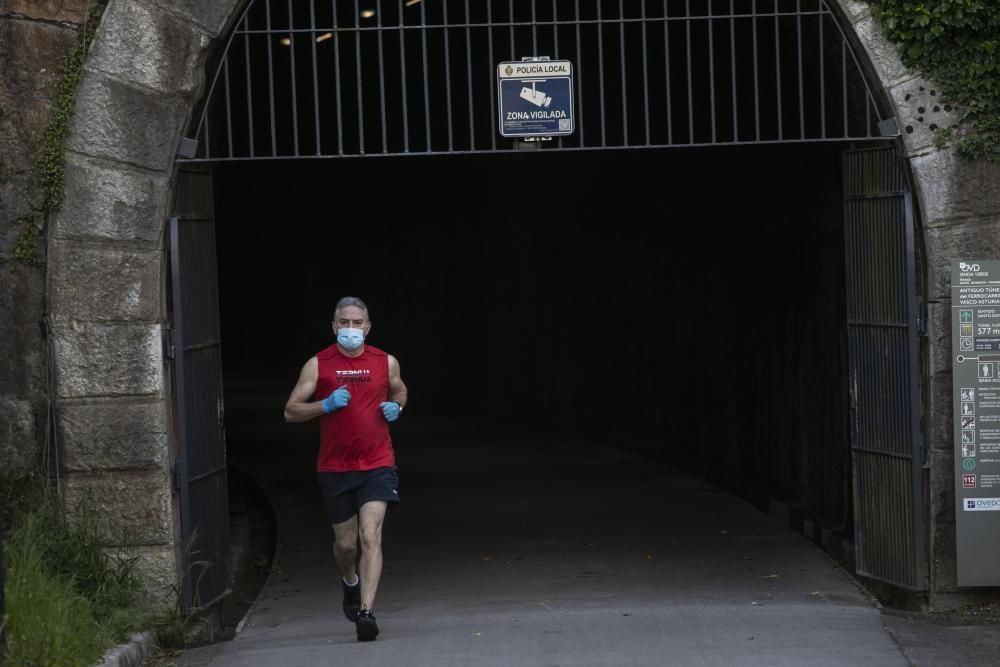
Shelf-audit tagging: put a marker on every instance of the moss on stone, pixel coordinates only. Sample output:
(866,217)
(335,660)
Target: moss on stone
(50,163)
(27,249)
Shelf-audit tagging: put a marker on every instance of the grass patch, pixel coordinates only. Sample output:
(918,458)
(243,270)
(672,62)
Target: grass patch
(69,598)
(48,621)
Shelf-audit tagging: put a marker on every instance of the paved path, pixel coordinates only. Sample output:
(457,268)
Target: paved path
(523,551)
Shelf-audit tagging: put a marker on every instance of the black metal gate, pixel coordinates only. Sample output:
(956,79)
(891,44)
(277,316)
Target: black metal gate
(883,321)
(337,78)
(196,349)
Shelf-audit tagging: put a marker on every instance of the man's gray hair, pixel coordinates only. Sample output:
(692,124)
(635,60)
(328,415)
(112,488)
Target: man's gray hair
(350,301)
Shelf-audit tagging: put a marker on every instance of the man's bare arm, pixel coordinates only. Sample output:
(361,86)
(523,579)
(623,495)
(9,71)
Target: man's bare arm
(397,390)
(299,408)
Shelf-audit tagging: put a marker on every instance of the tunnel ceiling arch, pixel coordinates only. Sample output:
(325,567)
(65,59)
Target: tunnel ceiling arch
(322,78)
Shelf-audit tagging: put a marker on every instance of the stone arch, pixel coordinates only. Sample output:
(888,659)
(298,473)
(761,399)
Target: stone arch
(105,269)
(144,77)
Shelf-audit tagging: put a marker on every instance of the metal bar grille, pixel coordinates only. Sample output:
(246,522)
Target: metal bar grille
(405,77)
(359,79)
(294,88)
(201,464)
(447,83)
(312,43)
(882,340)
(381,78)
(336,67)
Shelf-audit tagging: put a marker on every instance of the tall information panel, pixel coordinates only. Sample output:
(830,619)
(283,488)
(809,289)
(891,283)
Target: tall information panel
(975,325)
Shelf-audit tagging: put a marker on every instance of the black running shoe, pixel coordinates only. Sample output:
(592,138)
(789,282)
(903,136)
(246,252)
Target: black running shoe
(352,600)
(367,628)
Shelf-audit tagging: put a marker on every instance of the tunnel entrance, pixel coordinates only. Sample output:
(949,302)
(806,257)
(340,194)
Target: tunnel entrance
(723,309)
(696,315)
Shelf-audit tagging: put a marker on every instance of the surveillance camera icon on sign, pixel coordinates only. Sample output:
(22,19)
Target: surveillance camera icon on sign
(536,97)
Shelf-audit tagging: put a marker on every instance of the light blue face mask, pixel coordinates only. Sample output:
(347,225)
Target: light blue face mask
(350,339)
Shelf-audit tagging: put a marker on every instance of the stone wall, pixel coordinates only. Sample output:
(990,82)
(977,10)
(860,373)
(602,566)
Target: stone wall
(143,78)
(34,39)
(959,208)
(99,266)
(106,257)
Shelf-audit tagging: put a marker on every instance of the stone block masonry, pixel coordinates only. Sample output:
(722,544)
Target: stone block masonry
(143,76)
(105,249)
(958,209)
(35,36)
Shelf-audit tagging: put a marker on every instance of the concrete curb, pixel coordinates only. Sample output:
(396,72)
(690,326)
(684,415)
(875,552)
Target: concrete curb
(142,645)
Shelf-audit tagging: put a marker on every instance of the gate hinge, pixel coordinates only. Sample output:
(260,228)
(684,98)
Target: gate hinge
(168,343)
(187,148)
(888,128)
(175,478)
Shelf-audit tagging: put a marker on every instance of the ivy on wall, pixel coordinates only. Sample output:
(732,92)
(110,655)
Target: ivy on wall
(50,163)
(26,246)
(955,43)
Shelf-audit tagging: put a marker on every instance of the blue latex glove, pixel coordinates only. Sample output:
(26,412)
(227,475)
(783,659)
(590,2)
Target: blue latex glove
(337,399)
(391,411)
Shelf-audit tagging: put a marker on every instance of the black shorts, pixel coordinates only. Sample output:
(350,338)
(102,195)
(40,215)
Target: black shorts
(345,492)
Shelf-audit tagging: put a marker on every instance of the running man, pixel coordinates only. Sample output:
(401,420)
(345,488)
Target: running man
(356,391)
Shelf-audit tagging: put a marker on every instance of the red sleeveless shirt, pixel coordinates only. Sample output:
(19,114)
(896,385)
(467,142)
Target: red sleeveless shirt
(355,437)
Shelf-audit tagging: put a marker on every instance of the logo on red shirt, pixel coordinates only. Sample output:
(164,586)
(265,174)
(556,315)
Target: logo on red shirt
(358,375)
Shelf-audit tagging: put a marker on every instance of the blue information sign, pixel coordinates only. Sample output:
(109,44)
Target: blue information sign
(536,98)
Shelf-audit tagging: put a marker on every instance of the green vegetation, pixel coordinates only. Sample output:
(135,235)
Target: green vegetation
(27,246)
(50,163)
(955,43)
(68,597)
(179,627)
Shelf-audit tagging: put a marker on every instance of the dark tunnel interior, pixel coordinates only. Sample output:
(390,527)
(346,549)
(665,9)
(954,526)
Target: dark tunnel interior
(685,304)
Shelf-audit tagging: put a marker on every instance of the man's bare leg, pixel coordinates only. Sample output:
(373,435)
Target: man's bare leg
(345,551)
(345,547)
(370,517)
